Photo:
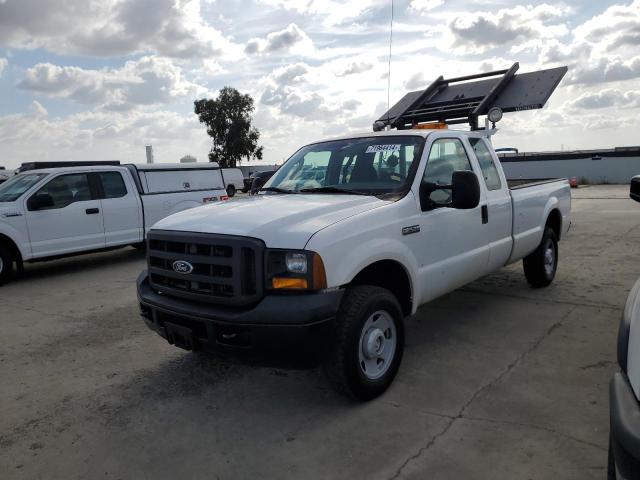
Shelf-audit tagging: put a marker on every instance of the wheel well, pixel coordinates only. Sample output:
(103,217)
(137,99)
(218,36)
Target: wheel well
(554,220)
(12,247)
(391,275)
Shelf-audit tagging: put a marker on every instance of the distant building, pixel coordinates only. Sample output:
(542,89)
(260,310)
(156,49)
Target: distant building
(149,150)
(606,165)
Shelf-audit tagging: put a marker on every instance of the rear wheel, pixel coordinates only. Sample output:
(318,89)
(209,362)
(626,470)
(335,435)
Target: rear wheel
(611,463)
(6,264)
(540,266)
(231,190)
(369,343)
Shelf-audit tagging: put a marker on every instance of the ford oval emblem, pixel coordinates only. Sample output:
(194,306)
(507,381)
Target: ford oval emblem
(181,266)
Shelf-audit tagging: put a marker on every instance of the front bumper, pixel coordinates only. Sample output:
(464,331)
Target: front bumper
(625,427)
(280,327)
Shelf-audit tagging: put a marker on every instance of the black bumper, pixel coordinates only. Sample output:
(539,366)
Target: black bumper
(625,427)
(294,327)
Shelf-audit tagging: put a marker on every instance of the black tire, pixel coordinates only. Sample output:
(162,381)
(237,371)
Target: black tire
(537,267)
(611,463)
(231,190)
(342,364)
(142,246)
(6,264)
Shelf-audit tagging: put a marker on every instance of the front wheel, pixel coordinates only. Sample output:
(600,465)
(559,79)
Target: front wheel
(367,350)
(540,266)
(6,264)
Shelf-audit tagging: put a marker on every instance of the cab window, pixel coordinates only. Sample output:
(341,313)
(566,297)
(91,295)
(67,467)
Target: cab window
(487,165)
(446,156)
(63,190)
(112,184)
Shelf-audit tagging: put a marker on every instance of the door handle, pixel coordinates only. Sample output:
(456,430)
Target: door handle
(485,214)
(92,211)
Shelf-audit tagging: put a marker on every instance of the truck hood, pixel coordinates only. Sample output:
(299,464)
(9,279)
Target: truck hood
(281,221)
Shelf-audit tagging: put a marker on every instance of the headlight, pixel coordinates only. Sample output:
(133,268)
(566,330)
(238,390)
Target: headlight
(296,262)
(294,270)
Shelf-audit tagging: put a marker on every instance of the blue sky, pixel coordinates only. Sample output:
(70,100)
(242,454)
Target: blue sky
(99,80)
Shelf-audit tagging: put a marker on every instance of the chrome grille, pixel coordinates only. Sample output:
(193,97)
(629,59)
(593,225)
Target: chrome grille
(225,269)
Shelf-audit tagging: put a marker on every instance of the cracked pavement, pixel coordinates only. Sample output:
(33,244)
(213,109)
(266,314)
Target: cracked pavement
(498,380)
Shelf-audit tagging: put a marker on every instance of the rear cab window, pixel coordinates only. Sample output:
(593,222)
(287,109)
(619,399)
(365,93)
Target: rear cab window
(113,185)
(487,164)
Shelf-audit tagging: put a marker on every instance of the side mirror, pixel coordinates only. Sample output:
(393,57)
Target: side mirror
(465,192)
(634,189)
(465,188)
(40,201)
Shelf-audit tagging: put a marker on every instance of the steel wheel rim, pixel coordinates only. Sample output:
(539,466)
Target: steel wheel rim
(549,258)
(377,345)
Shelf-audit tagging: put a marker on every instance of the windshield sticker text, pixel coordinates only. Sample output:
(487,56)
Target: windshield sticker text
(382,148)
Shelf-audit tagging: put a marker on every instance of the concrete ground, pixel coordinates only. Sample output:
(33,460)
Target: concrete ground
(498,380)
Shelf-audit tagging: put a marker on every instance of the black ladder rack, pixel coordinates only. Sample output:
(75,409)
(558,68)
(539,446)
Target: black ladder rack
(464,99)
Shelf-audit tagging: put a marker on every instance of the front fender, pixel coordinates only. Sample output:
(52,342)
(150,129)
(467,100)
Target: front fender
(21,240)
(341,272)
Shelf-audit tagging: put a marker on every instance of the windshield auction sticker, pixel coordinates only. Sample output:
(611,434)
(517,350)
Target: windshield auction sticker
(382,148)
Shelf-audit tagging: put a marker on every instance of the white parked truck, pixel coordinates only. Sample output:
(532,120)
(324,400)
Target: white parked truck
(52,212)
(349,237)
(233,180)
(624,389)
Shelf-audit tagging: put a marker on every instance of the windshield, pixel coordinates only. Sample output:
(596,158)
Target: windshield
(13,188)
(369,165)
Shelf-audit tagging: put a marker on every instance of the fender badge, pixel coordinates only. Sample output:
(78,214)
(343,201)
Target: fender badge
(410,230)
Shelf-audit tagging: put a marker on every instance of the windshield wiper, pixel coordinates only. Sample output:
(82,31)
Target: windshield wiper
(276,189)
(330,189)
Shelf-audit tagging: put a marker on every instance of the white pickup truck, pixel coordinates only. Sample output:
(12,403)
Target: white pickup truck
(348,238)
(47,213)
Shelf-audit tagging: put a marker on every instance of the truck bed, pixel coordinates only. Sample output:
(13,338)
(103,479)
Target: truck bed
(531,200)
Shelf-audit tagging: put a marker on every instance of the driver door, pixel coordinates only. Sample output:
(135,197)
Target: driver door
(69,220)
(453,244)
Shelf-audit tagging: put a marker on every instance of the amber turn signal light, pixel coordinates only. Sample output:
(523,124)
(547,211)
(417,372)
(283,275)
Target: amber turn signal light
(289,283)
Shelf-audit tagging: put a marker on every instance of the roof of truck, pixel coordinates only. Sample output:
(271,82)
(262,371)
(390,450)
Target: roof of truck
(140,167)
(175,166)
(422,132)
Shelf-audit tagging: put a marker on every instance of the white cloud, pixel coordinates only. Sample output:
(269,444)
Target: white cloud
(100,136)
(147,81)
(514,27)
(3,64)
(416,81)
(172,28)
(355,67)
(332,12)
(602,49)
(606,98)
(423,6)
(289,38)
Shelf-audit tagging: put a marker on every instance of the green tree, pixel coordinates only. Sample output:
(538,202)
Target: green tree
(228,121)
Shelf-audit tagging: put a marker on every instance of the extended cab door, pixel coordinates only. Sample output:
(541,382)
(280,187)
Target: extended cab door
(121,208)
(64,216)
(497,210)
(452,246)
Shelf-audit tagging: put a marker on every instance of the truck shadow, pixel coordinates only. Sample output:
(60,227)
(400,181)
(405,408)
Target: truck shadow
(78,264)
